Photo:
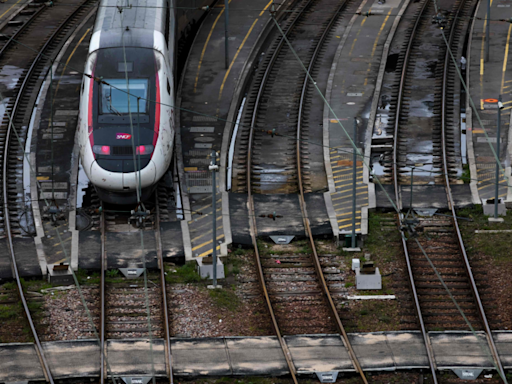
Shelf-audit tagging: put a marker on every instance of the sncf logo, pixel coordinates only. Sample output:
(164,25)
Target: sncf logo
(123,136)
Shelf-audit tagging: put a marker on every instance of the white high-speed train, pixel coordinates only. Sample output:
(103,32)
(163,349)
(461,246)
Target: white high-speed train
(126,124)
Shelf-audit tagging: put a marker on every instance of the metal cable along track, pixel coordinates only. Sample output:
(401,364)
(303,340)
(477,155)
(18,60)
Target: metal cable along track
(253,224)
(32,71)
(167,340)
(448,190)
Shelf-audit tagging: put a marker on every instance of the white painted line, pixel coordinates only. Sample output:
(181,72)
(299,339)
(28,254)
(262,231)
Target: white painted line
(231,153)
(64,112)
(493,231)
(372,297)
(49,195)
(56,136)
(202,129)
(198,145)
(48,169)
(481,139)
(48,185)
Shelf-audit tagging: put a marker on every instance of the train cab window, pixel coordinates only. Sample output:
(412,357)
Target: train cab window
(116,101)
(168,87)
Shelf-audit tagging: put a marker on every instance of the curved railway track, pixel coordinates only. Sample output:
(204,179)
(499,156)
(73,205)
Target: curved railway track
(309,287)
(32,64)
(30,52)
(440,239)
(125,305)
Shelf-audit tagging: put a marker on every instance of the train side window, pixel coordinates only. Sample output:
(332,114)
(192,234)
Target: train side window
(168,87)
(83,86)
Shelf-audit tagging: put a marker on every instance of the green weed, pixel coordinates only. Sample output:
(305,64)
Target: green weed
(185,274)
(10,311)
(225,298)
(112,272)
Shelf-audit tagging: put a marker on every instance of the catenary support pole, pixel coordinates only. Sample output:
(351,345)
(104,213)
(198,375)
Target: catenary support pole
(354,179)
(488,31)
(226,15)
(412,181)
(497,181)
(51,127)
(213,168)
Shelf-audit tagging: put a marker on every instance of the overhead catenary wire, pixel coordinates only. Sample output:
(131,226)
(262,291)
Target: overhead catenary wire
(100,80)
(138,187)
(387,195)
(216,117)
(245,10)
(219,119)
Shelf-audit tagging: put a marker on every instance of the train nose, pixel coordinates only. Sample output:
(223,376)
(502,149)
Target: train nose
(147,177)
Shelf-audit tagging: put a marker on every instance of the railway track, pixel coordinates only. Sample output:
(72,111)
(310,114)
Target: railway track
(439,238)
(43,32)
(134,307)
(274,164)
(295,289)
(27,54)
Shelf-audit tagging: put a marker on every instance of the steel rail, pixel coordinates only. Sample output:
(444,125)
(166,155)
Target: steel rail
(167,340)
(398,197)
(103,261)
(250,201)
(481,311)
(30,72)
(302,201)
(22,28)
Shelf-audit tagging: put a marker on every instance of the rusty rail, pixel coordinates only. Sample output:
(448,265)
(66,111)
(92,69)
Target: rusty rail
(253,224)
(426,339)
(5,153)
(451,204)
(167,340)
(303,207)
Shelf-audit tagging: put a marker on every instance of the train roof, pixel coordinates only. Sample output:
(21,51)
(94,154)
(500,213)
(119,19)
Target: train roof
(136,25)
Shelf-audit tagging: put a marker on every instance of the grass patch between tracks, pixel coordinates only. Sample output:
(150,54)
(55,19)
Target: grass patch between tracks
(225,298)
(185,274)
(383,247)
(496,245)
(490,255)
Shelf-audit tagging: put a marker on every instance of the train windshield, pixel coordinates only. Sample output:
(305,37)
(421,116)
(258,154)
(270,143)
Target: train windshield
(117,98)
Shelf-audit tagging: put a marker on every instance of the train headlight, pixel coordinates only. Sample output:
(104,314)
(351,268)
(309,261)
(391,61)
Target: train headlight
(145,149)
(101,149)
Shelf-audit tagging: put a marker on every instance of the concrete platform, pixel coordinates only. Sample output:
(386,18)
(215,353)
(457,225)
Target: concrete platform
(208,88)
(487,80)
(287,206)
(253,356)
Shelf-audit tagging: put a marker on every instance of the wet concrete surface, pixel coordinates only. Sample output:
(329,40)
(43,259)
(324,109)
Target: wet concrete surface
(172,239)
(424,196)
(64,94)
(239,216)
(26,258)
(127,249)
(288,222)
(89,252)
